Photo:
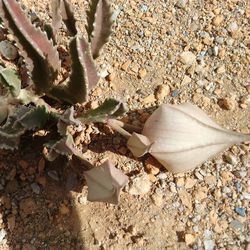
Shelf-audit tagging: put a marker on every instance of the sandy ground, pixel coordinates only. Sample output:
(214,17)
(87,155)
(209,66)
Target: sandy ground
(207,208)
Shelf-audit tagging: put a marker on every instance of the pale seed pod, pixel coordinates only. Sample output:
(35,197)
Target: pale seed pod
(181,137)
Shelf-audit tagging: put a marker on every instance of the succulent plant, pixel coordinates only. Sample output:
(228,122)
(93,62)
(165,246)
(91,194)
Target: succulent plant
(25,108)
(39,50)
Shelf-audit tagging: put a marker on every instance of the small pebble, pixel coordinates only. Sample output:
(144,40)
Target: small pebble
(186,79)
(82,200)
(209,244)
(54,175)
(217,20)
(189,239)
(3,233)
(157,199)
(8,50)
(140,185)
(162,176)
(142,73)
(232,27)
(241,211)
(235,224)
(221,69)
(246,196)
(181,3)
(35,188)
(187,58)
(227,103)
(162,91)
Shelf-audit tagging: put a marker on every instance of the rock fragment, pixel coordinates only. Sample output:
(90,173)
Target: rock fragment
(162,91)
(187,58)
(8,50)
(140,185)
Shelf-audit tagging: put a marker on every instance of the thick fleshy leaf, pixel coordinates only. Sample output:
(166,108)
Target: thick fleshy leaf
(83,77)
(65,120)
(35,118)
(67,13)
(105,183)
(11,131)
(99,25)
(110,108)
(10,79)
(3,112)
(183,136)
(56,16)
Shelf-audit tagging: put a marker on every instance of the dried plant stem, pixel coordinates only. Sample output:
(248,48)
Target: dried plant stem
(117,126)
(129,127)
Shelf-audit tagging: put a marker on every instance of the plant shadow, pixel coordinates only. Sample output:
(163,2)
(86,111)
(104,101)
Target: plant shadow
(36,198)
(37,209)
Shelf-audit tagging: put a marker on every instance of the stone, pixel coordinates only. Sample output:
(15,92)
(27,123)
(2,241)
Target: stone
(179,182)
(246,195)
(35,188)
(181,3)
(248,89)
(162,176)
(186,79)
(64,210)
(3,233)
(231,158)
(126,65)
(111,76)
(187,58)
(82,200)
(27,207)
(232,27)
(186,198)
(190,182)
(142,73)
(149,99)
(221,69)
(8,50)
(140,185)
(235,224)
(217,20)
(200,195)
(209,244)
(189,239)
(222,53)
(210,180)
(162,91)
(157,199)
(241,211)
(227,103)
(151,169)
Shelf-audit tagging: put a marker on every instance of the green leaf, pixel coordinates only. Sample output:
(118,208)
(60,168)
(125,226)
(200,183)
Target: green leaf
(35,118)
(111,108)
(11,131)
(10,79)
(66,119)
